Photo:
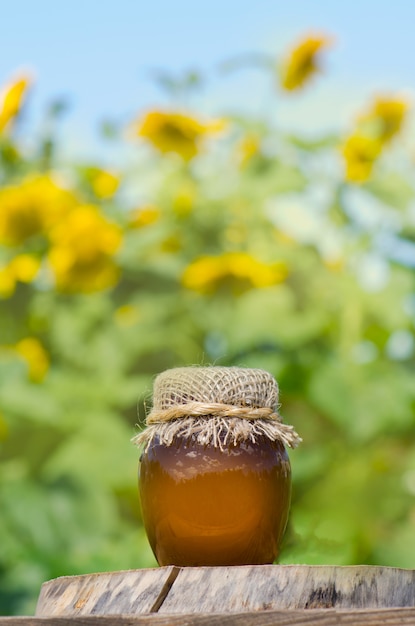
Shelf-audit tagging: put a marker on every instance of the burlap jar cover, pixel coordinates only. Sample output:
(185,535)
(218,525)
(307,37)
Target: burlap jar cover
(217,406)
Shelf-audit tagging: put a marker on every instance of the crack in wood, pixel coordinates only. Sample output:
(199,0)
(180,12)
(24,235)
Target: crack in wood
(165,590)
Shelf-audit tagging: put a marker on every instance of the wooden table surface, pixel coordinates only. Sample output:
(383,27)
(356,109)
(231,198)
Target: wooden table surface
(232,596)
(313,617)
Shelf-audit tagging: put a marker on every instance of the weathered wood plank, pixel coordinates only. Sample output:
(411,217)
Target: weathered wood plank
(316,617)
(129,592)
(266,587)
(204,590)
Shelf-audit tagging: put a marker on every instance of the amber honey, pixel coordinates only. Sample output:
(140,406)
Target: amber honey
(207,505)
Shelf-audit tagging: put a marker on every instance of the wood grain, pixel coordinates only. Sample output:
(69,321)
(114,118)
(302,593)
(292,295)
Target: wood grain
(173,591)
(267,587)
(109,593)
(316,617)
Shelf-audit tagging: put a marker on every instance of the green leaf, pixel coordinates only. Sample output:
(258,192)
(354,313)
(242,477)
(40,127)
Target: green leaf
(392,189)
(310,144)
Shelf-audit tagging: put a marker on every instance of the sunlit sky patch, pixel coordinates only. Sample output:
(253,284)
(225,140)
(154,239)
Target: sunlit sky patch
(100,56)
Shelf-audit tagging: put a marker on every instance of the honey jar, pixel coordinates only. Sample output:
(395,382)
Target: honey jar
(214,475)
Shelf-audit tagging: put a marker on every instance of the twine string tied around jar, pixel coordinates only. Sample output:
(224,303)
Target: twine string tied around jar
(217,405)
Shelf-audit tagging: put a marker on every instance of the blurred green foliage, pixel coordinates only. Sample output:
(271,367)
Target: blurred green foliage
(299,270)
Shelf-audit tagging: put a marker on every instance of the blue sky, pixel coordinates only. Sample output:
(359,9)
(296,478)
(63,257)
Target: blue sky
(99,55)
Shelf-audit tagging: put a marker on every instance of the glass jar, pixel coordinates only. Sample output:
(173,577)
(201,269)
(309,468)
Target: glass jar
(203,505)
(215,478)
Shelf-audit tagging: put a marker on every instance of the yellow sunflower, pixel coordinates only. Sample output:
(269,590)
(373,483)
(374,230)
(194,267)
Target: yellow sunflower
(31,351)
(31,208)
(360,153)
(303,61)
(375,128)
(175,132)
(82,251)
(11,100)
(236,271)
(385,117)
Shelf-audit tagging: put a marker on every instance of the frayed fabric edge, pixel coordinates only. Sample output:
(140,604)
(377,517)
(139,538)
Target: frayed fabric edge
(218,431)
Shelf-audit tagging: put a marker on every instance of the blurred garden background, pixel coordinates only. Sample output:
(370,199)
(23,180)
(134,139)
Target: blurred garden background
(184,186)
